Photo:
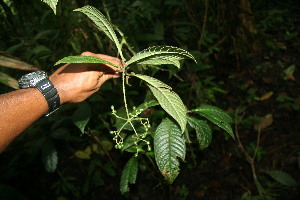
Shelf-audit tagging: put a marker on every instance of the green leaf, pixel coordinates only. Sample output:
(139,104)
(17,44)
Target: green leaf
(282,178)
(158,55)
(168,99)
(84,59)
(121,121)
(129,174)
(49,156)
(129,144)
(16,64)
(216,116)
(61,133)
(109,169)
(203,131)
(260,188)
(103,24)
(84,154)
(144,106)
(8,80)
(52,4)
(168,145)
(82,116)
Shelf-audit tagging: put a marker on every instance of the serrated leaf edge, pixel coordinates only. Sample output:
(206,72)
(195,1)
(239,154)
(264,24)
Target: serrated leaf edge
(156,50)
(180,112)
(162,144)
(84,59)
(109,32)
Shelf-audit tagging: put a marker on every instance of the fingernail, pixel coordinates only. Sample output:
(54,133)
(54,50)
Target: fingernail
(116,75)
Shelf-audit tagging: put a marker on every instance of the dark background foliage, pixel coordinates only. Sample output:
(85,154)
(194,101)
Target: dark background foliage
(247,63)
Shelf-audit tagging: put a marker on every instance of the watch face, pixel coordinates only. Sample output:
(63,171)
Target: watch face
(31,79)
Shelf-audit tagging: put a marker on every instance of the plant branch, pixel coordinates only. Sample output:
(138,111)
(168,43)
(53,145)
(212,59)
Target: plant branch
(124,94)
(167,70)
(151,161)
(133,128)
(257,145)
(240,145)
(108,17)
(106,152)
(204,24)
(124,41)
(249,159)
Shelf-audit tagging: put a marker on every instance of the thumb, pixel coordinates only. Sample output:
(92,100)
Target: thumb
(108,76)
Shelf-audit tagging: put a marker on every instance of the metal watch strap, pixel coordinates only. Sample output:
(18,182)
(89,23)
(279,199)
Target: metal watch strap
(50,93)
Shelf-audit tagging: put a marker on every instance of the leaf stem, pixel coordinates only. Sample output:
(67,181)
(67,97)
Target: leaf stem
(124,94)
(121,53)
(119,47)
(122,127)
(124,41)
(133,128)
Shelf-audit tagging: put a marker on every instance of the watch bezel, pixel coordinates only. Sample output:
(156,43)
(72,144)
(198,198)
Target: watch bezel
(40,80)
(30,80)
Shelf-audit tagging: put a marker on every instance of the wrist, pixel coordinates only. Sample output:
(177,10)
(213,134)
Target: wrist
(41,81)
(60,89)
(50,93)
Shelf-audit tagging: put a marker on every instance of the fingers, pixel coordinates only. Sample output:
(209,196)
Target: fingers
(87,53)
(102,56)
(111,59)
(103,72)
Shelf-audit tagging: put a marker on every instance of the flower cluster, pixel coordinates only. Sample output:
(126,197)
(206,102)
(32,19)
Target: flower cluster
(139,136)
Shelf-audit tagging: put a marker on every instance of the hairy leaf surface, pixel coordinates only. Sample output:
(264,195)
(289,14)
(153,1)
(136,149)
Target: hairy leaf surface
(84,59)
(168,99)
(169,144)
(102,23)
(216,116)
(159,55)
(203,131)
(129,174)
(52,4)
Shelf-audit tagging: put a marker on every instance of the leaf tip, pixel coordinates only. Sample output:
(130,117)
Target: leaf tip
(170,177)
(77,10)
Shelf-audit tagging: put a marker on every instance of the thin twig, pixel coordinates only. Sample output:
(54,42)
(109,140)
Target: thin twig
(257,145)
(124,94)
(109,20)
(107,154)
(125,102)
(204,23)
(240,145)
(237,58)
(249,159)
(167,70)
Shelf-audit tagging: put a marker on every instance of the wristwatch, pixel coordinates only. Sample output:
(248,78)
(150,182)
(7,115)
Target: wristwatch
(40,80)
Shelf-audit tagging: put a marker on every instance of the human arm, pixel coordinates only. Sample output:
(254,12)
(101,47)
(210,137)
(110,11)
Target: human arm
(74,83)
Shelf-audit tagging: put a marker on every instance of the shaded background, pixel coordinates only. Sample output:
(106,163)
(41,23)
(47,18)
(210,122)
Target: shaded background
(247,63)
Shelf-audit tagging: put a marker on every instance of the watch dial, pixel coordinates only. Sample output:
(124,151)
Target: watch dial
(31,79)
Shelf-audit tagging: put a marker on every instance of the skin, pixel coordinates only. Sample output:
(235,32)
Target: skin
(74,83)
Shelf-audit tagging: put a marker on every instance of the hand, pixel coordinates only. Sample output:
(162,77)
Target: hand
(75,82)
